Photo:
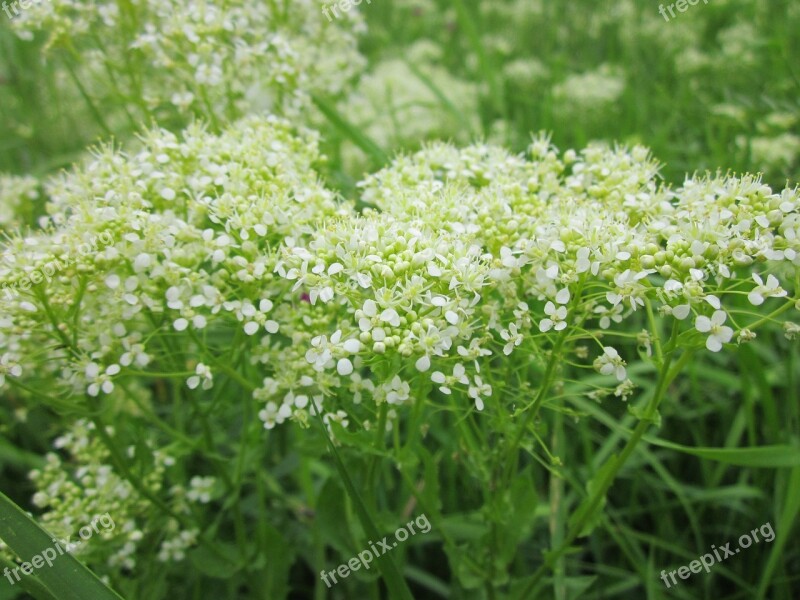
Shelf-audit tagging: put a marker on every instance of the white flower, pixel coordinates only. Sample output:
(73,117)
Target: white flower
(628,287)
(390,316)
(100,381)
(201,489)
(718,333)
(608,315)
(583,262)
(203,374)
(258,317)
(512,336)
(273,415)
(478,389)
(624,390)
(358,384)
(681,311)
(394,392)
(319,354)
(610,362)
(459,376)
(772,289)
(556,320)
(423,363)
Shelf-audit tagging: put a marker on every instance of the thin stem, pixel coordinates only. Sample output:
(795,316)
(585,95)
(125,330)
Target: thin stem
(666,375)
(511,458)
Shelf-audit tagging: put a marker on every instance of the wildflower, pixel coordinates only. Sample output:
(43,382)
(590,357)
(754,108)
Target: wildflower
(478,389)
(610,362)
(395,391)
(745,336)
(609,315)
(512,337)
(200,489)
(772,289)
(556,318)
(624,390)
(445,382)
(8,367)
(203,373)
(718,333)
(100,380)
(273,414)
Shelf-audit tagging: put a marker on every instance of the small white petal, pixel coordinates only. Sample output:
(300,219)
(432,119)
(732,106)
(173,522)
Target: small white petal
(352,346)
(423,364)
(563,296)
(391,316)
(370,308)
(703,324)
(681,312)
(755,298)
(344,366)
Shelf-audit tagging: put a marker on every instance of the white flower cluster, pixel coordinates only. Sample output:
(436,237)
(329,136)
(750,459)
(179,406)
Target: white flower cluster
(79,481)
(581,95)
(467,261)
(193,219)
(215,59)
(474,252)
(398,107)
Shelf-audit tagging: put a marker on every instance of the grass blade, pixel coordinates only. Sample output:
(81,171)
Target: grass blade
(397,586)
(769,457)
(67,578)
(353,133)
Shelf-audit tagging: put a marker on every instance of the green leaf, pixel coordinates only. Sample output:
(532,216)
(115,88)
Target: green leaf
(397,586)
(208,563)
(770,457)
(331,518)
(784,526)
(586,513)
(353,133)
(279,562)
(70,579)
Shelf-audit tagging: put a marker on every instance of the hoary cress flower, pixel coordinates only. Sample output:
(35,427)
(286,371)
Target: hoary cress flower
(465,263)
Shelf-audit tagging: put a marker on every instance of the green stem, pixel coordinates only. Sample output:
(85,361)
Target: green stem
(547,380)
(141,488)
(666,375)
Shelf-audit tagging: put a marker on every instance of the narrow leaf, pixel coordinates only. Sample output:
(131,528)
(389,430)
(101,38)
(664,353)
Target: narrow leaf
(67,578)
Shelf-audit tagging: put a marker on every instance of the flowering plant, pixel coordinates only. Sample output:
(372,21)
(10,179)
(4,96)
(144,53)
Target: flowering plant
(309,321)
